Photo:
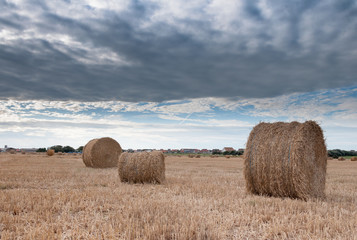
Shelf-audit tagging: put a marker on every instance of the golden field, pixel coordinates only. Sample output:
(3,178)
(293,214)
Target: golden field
(57,197)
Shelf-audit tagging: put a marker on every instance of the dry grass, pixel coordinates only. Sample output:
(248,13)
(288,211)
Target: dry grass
(59,198)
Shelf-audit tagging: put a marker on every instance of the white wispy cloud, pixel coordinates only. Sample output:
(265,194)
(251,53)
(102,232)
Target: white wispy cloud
(185,121)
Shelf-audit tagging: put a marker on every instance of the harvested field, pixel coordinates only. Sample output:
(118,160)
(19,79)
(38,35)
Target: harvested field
(205,198)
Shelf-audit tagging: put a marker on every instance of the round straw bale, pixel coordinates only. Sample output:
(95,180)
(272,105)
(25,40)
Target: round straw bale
(101,153)
(286,160)
(341,159)
(143,167)
(50,152)
(353,158)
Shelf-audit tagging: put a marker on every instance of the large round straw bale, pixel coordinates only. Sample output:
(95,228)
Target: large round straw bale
(50,152)
(353,158)
(101,153)
(286,160)
(143,167)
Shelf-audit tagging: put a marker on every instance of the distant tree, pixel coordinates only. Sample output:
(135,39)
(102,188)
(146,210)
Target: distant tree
(57,148)
(216,151)
(68,149)
(80,149)
(41,150)
(240,152)
(336,153)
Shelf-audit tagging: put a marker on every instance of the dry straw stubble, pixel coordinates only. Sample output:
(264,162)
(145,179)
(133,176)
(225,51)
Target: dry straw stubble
(101,153)
(143,167)
(286,160)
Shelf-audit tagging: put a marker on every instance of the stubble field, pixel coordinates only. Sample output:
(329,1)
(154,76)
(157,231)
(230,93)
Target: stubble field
(57,197)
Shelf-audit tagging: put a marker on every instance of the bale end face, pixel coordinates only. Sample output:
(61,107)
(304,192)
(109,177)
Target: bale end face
(144,167)
(101,153)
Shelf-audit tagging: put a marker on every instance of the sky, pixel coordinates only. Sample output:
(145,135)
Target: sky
(175,74)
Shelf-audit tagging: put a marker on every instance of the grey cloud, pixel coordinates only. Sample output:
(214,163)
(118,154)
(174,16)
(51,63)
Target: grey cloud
(169,62)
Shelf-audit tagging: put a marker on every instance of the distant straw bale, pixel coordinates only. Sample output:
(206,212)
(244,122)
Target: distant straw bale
(341,159)
(198,156)
(101,153)
(353,158)
(143,167)
(286,160)
(50,152)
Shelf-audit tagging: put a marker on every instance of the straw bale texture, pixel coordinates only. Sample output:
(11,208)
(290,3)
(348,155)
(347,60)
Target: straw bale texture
(286,160)
(50,152)
(353,158)
(143,167)
(341,159)
(101,153)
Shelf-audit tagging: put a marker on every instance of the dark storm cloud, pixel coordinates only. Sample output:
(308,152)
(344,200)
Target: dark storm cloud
(298,47)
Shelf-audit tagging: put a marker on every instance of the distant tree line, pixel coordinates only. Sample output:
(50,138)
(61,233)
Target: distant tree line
(335,153)
(59,148)
(235,153)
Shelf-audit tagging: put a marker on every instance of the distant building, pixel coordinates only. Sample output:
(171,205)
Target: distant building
(205,151)
(189,150)
(28,149)
(228,149)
